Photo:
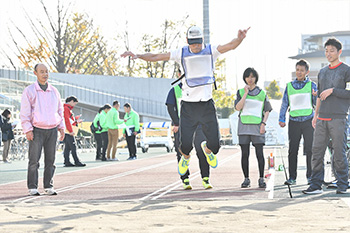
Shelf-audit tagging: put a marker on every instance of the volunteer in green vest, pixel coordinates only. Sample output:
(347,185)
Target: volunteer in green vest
(132,122)
(104,131)
(299,97)
(97,135)
(173,103)
(113,121)
(254,107)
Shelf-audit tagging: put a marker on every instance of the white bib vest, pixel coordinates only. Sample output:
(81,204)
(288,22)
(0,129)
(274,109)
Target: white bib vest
(300,101)
(198,67)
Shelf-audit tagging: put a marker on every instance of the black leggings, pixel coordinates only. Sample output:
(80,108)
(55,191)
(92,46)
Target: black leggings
(245,158)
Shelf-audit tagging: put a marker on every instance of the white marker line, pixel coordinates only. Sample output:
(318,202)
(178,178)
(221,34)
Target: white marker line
(100,180)
(177,185)
(90,168)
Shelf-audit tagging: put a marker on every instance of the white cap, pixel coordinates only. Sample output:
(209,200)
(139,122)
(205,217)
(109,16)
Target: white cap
(194,35)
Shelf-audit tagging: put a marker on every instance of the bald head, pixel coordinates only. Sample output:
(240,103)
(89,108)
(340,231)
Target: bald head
(42,73)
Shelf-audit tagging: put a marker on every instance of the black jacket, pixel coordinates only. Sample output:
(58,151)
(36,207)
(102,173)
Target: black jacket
(6,128)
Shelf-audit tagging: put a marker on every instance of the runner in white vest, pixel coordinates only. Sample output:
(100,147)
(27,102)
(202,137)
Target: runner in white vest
(197,62)
(254,107)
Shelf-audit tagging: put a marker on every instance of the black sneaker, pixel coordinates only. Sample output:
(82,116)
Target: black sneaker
(341,192)
(290,182)
(310,190)
(80,164)
(69,165)
(130,158)
(246,183)
(261,183)
(103,159)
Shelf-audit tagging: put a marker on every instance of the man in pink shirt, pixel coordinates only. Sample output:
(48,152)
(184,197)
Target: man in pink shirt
(41,117)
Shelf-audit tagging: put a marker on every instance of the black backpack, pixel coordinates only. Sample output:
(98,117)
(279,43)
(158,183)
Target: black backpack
(93,129)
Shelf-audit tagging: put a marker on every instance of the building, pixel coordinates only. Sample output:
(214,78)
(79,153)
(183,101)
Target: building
(312,50)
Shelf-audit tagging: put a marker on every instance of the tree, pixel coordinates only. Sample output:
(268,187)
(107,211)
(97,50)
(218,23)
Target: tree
(170,38)
(70,43)
(223,99)
(273,91)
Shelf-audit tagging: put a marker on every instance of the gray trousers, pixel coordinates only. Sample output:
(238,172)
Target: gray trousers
(6,149)
(325,130)
(47,139)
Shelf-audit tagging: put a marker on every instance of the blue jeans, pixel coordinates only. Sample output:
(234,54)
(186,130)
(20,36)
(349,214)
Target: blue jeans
(336,130)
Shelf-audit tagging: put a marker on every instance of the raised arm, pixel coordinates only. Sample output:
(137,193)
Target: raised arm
(234,43)
(148,56)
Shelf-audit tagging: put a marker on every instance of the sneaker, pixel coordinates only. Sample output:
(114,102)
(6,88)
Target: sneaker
(115,159)
(341,192)
(246,183)
(130,158)
(186,184)
(211,158)
(290,182)
(6,161)
(80,164)
(69,165)
(98,158)
(261,183)
(206,183)
(103,159)
(33,192)
(134,158)
(310,190)
(183,165)
(50,191)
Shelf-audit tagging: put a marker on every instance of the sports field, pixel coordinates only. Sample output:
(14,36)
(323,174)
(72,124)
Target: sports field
(146,195)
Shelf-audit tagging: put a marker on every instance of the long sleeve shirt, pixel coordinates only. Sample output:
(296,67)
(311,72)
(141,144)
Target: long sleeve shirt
(41,109)
(103,121)
(285,101)
(112,119)
(69,118)
(132,119)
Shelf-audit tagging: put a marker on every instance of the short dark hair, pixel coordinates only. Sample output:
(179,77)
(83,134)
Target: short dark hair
(249,71)
(106,106)
(115,102)
(304,63)
(36,66)
(70,98)
(335,42)
(127,105)
(100,110)
(6,113)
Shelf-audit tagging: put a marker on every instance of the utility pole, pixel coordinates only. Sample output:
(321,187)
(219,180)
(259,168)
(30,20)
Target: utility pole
(206,21)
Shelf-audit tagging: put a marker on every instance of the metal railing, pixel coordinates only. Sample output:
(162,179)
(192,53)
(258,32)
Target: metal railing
(85,95)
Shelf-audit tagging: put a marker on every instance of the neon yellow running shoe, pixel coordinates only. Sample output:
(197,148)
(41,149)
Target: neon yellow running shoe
(206,183)
(186,184)
(211,158)
(183,165)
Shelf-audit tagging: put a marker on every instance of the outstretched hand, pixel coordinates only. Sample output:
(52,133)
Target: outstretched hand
(242,33)
(130,54)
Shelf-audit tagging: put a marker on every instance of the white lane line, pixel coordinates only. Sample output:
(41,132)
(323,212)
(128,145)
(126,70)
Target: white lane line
(100,180)
(178,184)
(108,163)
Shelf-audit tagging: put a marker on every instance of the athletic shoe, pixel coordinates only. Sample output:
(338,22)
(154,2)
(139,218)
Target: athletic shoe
(211,158)
(261,183)
(341,192)
(80,164)
(69,165)
(183,165)
(33,192)
(103,159)
(246,183)
(130,158)
(310,190)
(290,182)
(206,183)
(186,184)
(50,191)
(134,158)
(98,158)
(115,159)
(6,161)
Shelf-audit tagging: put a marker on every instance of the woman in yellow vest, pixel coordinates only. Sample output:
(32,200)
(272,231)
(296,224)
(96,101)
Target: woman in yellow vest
(254,107)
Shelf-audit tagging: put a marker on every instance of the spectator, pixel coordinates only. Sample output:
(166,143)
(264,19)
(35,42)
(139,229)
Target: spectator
(41,117)
(7,134)
(71,123)
(113,121)
(104,131)
(132,122)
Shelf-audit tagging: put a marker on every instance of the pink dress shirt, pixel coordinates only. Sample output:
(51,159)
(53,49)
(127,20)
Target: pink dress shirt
(41,109)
